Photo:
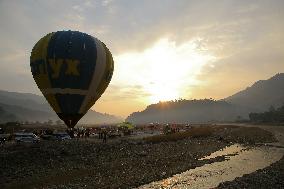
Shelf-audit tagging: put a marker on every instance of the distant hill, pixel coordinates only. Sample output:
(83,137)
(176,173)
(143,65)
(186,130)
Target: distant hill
(6,116)
(26,114)
(93,117)
(188,111)
(257,98)
(30,107)
(262,94)
(25,100)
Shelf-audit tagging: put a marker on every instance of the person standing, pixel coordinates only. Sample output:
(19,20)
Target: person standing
(104,136)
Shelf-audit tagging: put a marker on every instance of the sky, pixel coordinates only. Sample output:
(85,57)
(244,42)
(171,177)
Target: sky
(162,49)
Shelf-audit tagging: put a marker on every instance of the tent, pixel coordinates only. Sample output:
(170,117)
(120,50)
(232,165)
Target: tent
(127,125)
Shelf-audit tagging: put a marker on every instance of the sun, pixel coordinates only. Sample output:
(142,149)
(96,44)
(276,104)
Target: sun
(164,71)
(160,93)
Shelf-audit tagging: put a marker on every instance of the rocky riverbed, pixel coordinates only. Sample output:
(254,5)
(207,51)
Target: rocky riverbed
(269,177)
(120,163)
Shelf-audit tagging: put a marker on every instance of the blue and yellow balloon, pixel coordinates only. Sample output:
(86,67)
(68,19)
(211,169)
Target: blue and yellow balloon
(72,69)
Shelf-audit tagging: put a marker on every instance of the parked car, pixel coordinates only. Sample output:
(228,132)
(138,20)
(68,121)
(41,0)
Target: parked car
(26,137)
(62,136)
(48,137)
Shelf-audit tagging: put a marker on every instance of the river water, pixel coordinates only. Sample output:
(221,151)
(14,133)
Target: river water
(239,160)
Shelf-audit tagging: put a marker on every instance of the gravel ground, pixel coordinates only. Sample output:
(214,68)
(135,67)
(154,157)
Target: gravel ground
(116,164)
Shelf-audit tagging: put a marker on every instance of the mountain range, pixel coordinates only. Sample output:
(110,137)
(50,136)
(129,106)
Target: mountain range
(16,106)
(256,98)
(259,97)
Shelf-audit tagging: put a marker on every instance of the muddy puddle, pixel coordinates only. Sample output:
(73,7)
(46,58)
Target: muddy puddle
(239,160)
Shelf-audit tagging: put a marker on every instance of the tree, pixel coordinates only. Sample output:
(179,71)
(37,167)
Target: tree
(272,116)
(271,109)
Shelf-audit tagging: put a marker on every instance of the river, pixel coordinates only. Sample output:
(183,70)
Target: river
(239,160)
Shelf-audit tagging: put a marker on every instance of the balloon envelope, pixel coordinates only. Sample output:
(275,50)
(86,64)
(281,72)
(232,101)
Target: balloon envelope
(72,69)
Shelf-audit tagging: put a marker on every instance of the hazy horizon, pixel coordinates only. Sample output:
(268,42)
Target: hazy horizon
(163,50)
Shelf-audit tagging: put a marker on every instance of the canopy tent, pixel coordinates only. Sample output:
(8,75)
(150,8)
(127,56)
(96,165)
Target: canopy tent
(127,125)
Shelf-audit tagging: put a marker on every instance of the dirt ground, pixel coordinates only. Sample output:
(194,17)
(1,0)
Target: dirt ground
(120,163)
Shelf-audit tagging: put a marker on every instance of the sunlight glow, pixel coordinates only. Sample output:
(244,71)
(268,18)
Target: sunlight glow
(164,70)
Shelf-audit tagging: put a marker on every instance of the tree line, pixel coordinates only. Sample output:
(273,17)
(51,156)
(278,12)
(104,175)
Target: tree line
(271,116)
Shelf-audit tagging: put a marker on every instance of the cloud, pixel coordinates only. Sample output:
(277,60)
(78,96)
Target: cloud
(245,37)
(125,93)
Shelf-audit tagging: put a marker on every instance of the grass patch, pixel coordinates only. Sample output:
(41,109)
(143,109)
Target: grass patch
(195,132)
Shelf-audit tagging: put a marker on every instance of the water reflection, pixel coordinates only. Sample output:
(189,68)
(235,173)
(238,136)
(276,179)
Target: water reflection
(227,151)
(240,160)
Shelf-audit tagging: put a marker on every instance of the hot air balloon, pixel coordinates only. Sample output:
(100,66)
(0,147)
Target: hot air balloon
(72,69)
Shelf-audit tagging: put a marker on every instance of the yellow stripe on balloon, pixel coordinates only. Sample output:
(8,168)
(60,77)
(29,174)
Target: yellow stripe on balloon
(39,54)
(64,91)
(53,102)
(39,51)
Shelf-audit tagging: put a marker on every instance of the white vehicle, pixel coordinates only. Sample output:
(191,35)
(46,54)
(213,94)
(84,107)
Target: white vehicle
(26,137)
